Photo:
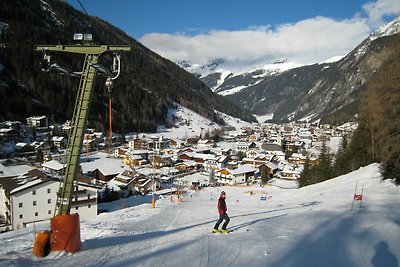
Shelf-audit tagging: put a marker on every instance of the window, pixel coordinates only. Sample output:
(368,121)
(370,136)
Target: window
(49,201)
(48,190)
(49,212)
(20,205)
(34,192)
(21,216)
(34,203)
(36,214)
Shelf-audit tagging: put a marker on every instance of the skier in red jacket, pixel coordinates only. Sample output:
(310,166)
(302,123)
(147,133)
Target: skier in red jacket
(222,214)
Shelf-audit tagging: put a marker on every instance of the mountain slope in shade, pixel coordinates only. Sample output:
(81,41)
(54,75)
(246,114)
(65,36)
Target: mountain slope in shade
(148,85)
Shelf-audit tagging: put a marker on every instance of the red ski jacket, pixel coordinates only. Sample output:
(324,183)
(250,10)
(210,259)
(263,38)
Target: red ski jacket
(222,205)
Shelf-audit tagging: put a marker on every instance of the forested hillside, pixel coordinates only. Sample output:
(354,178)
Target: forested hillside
(147,86)
(379,123)
(377,138)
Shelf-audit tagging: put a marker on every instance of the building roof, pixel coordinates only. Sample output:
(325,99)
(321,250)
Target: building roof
(58,138)
(241,169)
(105,164)
(29,184)
(9,171)
(271,147)
(53,165)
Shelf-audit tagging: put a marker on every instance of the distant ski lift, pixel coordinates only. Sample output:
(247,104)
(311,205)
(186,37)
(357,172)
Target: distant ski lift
(88,37)
(83,37)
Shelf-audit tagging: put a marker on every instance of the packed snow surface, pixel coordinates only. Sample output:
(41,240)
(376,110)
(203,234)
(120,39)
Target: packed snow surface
(310,226)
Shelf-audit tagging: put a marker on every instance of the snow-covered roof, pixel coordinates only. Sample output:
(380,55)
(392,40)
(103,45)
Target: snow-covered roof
(5,130)
(188,163)
(14,170)
(241,169)
(204,156)
(53,165)
(58,138)
(104,163)
(29,184)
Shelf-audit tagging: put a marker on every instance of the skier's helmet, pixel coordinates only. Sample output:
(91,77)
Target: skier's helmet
(223,193)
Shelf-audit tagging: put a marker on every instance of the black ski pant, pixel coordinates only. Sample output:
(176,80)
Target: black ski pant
(221,218)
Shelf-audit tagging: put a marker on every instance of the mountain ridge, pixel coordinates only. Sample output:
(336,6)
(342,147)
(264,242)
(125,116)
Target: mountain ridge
(327,91)
(148,85)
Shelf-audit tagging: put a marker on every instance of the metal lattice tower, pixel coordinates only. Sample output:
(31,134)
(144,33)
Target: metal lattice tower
(80,115)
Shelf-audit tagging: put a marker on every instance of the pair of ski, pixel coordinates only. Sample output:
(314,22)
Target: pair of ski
(216,231)
(234,230)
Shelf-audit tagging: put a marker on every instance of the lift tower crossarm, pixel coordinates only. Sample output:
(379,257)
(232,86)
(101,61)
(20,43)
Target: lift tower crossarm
(83,49)
(80,116)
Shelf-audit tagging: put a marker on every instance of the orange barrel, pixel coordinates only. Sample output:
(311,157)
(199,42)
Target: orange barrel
(66,233)
(41,247)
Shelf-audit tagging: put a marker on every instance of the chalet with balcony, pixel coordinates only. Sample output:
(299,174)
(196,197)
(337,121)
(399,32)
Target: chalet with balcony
(160,160)
(205,143)
(37,122)
(245,146)
(59,142)
(241,175)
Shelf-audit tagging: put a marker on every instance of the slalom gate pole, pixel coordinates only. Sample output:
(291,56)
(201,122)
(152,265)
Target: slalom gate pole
(362,191)
(352,203)
(34,231)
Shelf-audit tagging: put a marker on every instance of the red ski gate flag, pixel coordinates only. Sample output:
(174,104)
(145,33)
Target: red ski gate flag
(357,197)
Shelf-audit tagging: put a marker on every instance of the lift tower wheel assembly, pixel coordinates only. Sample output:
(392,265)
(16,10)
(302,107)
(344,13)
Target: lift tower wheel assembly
(64,236)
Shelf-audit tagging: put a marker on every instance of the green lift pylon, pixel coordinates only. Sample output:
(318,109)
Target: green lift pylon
(80,115)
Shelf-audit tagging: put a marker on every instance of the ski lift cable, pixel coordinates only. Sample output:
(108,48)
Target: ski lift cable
(82,7)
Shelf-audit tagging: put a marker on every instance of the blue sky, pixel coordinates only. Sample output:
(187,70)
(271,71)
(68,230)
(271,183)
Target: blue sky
(304,31)
(140,17)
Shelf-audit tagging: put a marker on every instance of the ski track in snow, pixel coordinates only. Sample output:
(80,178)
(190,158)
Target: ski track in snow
(311,226)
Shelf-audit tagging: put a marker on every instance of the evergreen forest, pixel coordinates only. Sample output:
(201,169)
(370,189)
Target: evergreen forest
(147,87)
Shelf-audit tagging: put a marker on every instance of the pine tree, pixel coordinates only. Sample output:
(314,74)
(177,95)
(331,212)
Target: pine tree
(305,176)
(342,162)
(264,177)
(39,156)
(324,169)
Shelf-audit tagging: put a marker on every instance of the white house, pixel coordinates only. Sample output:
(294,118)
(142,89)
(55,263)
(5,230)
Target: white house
(240,175)
(205,143)
(245,146)
(124,183)
(36,200)
(60,142)
(37,121)
(258,160)
(215,163)
(53,167)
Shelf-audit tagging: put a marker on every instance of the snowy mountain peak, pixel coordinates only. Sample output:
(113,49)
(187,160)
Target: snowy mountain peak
(199,69)
(391,28)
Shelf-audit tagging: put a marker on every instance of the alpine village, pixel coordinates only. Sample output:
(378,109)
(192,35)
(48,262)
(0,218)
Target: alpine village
(83,124)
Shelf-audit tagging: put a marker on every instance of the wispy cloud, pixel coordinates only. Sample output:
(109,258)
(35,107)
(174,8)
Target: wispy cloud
(308,41)
(376,11)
